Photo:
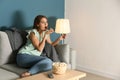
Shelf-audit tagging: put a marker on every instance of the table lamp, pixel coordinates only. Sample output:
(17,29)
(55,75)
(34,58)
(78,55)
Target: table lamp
(62,27)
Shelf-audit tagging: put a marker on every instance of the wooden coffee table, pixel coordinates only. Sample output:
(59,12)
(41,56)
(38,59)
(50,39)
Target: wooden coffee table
(69,75)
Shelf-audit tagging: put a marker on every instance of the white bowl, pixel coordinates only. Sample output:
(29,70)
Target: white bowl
(59,67)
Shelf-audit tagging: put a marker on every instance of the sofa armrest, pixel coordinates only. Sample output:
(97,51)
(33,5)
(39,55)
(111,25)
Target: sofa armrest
(67,55)
(5,48)
(73,58)
(63,51)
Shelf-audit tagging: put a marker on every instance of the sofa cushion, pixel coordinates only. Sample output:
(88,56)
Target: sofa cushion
(13,68)
(7,75)
(5,48)
(63,51)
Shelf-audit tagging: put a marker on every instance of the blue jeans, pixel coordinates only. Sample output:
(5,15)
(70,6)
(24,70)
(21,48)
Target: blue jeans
(35,63)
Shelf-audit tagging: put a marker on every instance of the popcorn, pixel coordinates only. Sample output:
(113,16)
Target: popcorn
(59,67)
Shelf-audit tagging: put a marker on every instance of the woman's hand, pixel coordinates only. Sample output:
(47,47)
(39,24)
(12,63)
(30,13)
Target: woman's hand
(49,31)
(63,36)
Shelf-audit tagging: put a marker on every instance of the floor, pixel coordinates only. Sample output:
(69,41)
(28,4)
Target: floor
(94,77)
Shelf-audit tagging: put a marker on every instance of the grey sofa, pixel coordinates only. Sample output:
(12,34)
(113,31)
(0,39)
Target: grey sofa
(10,71)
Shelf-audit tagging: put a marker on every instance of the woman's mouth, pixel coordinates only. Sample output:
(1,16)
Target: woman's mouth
(46,27)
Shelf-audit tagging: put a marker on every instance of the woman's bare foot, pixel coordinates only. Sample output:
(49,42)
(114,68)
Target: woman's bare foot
(25,74)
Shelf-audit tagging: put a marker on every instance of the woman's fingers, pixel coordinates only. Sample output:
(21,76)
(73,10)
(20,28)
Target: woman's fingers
(50,31)
(63,35)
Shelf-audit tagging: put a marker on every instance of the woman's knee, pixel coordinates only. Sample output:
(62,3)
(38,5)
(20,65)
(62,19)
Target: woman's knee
(48,63)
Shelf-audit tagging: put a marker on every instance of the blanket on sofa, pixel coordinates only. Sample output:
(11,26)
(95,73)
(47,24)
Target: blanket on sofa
(51,52)
(17,39)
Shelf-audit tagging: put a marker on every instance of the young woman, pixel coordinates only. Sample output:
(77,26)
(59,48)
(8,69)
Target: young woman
(31,55)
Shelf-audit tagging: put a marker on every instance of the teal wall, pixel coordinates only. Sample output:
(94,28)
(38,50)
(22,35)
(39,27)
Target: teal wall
(21,13)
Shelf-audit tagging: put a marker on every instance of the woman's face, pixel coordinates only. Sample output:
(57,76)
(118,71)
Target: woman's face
(43,25)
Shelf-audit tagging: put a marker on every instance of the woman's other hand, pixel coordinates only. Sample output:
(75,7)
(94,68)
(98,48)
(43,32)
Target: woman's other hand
(63,36)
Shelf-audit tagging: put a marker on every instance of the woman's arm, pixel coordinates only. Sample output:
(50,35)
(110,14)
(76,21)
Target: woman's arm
(36,43)
(56,41)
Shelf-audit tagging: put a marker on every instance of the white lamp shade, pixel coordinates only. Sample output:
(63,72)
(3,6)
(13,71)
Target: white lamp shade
(62,26)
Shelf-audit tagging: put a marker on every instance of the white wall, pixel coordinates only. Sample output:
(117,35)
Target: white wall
(95,34)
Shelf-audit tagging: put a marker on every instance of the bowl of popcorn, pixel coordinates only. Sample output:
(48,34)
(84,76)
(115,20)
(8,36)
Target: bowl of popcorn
(59,67)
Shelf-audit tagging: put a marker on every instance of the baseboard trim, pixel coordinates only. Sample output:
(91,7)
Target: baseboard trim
(101,73)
